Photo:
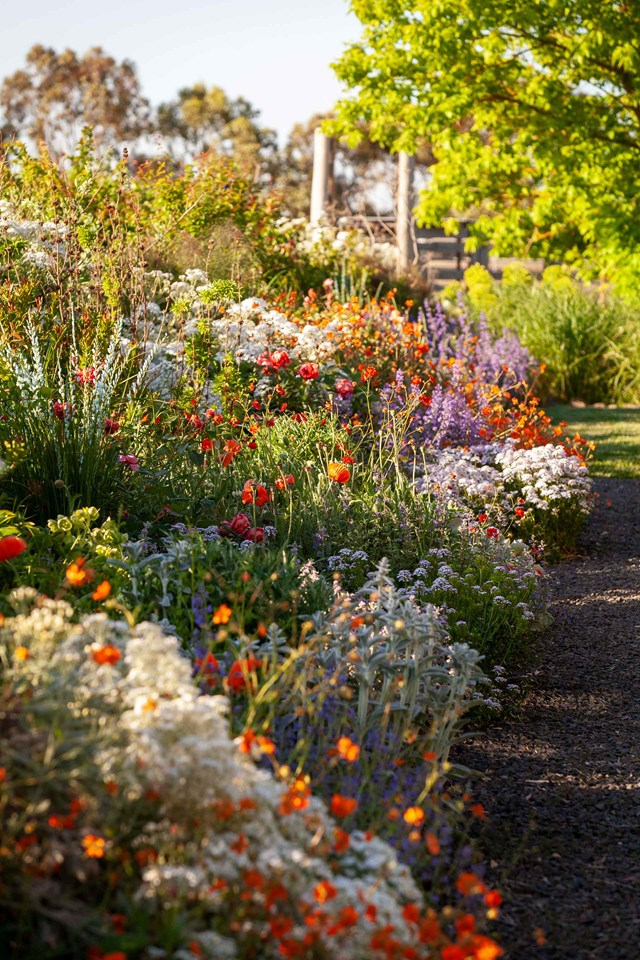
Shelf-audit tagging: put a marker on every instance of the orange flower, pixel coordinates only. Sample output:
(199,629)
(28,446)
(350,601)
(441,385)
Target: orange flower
(241,844)
(343,806)
(465,924)
(231,448)
(94,846)
(478,811)
(77,574)
(486,949)
(222,614)
(106,654)
(338,472)
(371,913)
(493,899)
(252,493)
(21,653)
(264,744)
(241,671)
(411,913)
(470,883)
(357,622)
(324,891)
(102,591)
(433,844)
(294,799)
(348,750)
(414,815)
(452,952)
(341,840)
(3,774)
(287,480)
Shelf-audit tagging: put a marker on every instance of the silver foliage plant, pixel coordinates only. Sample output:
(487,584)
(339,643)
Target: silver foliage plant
(407,675)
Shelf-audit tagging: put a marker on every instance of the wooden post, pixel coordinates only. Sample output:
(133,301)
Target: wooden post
(322,155)
(404,212)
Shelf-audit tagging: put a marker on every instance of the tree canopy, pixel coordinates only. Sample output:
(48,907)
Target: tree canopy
(205,118)
(57,94)
(532,110)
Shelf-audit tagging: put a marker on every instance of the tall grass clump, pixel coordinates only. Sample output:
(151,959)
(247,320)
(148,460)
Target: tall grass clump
(588,339)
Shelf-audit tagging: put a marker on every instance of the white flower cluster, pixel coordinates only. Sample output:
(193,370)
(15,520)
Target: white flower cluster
(250,328)
(322,242)
(43,240)
(462,475)
(547,476)
(163,735)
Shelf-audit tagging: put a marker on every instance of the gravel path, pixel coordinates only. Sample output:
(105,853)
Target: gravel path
(563,787)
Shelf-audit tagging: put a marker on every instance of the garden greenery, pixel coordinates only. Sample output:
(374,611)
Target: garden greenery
(260,561)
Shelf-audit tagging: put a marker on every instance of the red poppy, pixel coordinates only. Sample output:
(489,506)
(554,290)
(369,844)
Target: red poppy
(254,493)
(231,448)
(287,480)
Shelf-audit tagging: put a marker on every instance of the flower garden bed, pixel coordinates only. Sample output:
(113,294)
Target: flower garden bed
(261,561)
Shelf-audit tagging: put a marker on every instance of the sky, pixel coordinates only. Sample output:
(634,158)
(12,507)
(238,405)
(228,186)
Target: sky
(275,53)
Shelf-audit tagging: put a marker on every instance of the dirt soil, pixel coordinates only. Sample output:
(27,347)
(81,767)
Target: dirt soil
(562,787)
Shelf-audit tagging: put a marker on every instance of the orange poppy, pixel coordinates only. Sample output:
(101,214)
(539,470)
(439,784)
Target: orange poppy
(338,472)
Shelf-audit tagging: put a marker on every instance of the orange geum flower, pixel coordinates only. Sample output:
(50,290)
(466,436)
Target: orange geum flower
(106,653)
(21,653)
(324,891)
(77,574)
(411,913)
(102,591)
(493,899)
(222,614)
(341,840)
(348,750)
(453,952)
(343,806)
(413,815)
(470,883)
(465,924)
(94,846)
(433,844)
(485,949)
